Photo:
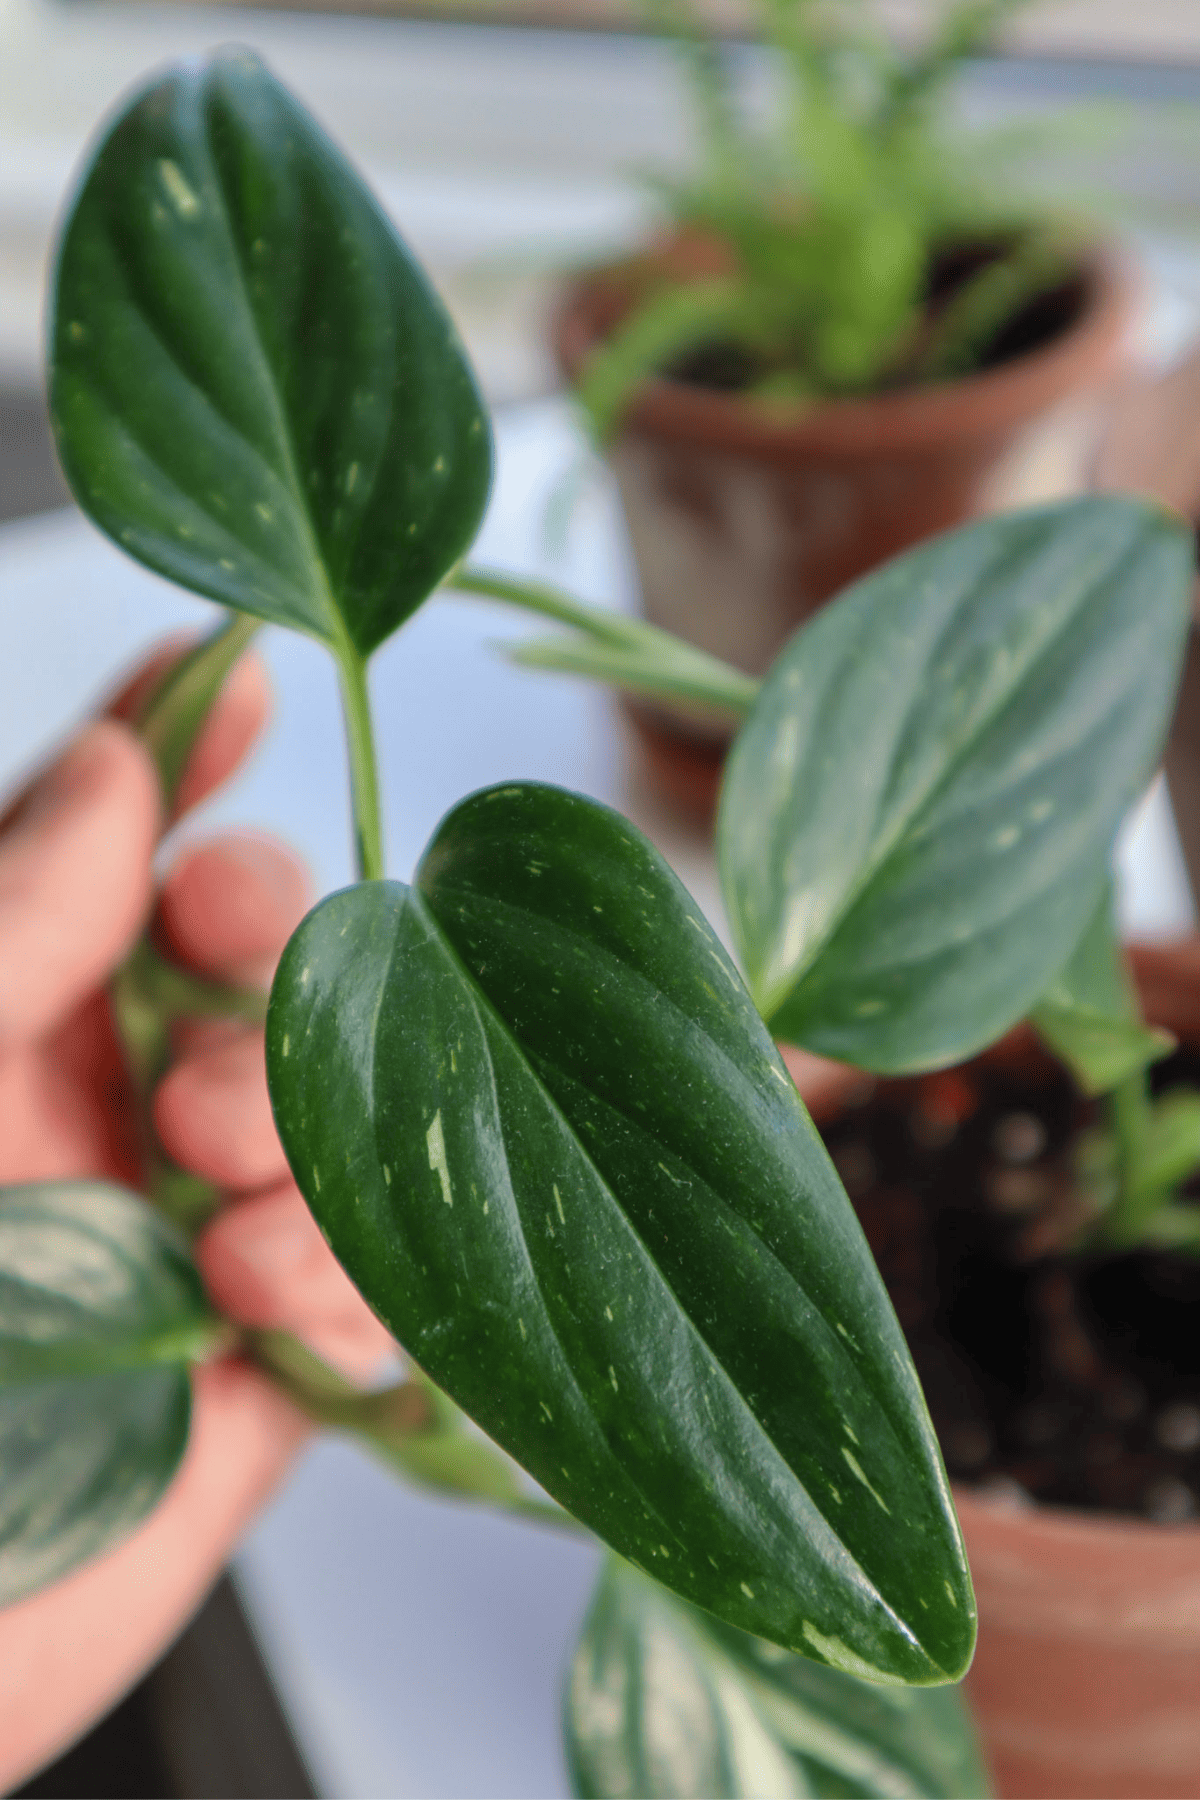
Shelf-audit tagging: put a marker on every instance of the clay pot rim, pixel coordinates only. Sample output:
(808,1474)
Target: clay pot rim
(907,419)
(1075,1525)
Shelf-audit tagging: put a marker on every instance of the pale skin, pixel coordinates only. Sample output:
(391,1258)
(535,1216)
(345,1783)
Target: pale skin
(76,887)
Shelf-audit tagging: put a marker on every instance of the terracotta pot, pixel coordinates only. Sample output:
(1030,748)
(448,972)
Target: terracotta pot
(1086,1681)
(744,520)
(1087,1676)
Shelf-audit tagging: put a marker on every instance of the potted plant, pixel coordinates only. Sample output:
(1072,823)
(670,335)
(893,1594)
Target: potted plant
(826,358)
(531,1102)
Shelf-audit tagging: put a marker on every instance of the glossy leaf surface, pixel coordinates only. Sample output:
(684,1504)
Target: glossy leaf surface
(254,389)
(543,1128)
(100,1311)
(1089,1015)
(665,1702)
(917,817)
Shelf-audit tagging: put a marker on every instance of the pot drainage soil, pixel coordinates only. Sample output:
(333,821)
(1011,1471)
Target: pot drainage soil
(1068,1379)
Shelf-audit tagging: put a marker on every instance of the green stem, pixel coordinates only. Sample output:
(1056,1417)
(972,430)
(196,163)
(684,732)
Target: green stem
(550,603)
(412,1427)
(147,995)
(173,715)
(364,778)
(1129,1116)
(631,652)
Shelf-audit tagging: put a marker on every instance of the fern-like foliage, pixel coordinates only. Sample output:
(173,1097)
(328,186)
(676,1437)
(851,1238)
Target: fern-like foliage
(832,217)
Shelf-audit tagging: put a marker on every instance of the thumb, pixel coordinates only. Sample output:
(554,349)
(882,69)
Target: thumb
(75,877)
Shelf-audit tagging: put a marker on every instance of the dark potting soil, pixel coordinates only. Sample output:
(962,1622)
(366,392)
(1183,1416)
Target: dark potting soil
(1073,1379)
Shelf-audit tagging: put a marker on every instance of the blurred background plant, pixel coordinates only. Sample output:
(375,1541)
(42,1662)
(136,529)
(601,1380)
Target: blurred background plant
(847,240)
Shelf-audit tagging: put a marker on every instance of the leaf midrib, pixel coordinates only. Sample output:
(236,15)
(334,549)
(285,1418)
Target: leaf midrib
(477,997)
(339,637)
(572,934)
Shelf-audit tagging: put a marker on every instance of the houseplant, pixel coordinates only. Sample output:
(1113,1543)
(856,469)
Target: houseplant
(825,360)
(529,1099)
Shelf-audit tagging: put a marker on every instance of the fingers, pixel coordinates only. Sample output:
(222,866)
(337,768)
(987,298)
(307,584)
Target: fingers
(213,1116)
(75,877)
(238,715)
(67,1653)
(228,908)
(266,1264)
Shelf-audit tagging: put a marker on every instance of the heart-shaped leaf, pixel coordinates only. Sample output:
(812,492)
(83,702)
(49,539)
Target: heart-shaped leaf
(665,1702)
(1089,1014)
(917,817)
(533,1108)
(254,389)
(101,1309)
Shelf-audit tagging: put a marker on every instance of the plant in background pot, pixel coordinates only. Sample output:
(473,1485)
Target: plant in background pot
(529,1098)
(826,360)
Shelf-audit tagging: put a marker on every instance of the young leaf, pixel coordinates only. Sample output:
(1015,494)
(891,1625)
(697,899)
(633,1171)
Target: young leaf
(916,819)
(534,1110)
(664,1702)
(100,1311)
(254,389)
(1089,1014)
(1172,1149)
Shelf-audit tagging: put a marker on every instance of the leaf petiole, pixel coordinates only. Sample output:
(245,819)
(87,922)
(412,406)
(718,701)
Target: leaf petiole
(412,1426)
(364,772)
(616,648)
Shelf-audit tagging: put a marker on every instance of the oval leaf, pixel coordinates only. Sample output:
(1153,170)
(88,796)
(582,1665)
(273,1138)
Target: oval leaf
(254,389)
(100,1310)
(543,1128)
(665,1703)
(917,817)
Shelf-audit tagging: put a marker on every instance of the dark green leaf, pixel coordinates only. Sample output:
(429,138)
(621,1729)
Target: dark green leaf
(1089,1014)
(666,1703)
(917,817)
(101,1310)
(254,389)
(541,1124)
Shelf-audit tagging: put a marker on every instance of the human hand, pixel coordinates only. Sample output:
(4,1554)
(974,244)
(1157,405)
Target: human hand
(76,888)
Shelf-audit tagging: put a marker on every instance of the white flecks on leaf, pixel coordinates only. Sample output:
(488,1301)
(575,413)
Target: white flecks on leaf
(179,190)
(435,1143)
(856,1470)
(840,1656)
